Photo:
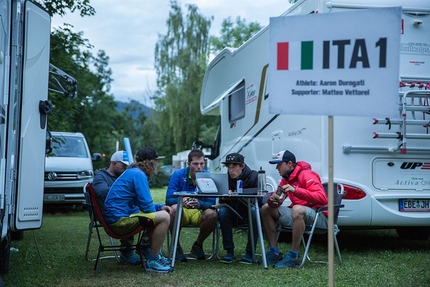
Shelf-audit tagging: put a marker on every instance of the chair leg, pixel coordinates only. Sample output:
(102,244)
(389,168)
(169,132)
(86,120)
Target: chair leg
(306,245)
(96,266)
(337,250)
(90,232)
(115,254)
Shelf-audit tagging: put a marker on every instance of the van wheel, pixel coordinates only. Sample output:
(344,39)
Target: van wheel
(17,235)
(5,254)
(414,232)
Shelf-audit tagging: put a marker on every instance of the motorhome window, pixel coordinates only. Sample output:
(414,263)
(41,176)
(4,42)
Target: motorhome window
(69,147)
(236,103)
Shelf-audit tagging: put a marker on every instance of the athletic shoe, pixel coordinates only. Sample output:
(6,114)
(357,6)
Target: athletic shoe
(272,257)
(180,254)
(165,260)
(129,258)
(288,262)
(198,252)
(247,259)
(158,265)
(228,258)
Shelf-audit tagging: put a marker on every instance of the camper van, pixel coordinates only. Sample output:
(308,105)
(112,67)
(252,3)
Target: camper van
(24,63)
(383,163)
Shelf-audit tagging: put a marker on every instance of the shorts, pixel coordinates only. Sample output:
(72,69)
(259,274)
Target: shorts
(126,225)
(285,218)
(191,216)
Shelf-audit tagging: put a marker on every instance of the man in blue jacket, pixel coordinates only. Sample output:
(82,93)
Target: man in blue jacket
(197,212)
(129,204)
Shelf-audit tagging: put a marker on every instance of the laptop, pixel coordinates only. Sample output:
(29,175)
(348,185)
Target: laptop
(212,182)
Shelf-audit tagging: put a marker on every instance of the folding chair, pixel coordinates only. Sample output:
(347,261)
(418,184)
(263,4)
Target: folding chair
(100,222)
(91,227)
(312,229)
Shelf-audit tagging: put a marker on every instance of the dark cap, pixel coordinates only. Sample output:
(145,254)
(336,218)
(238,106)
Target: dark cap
(147,153)
(234,158)
(285,156)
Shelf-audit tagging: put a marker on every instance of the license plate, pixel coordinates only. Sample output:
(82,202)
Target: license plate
(48,197)
(414,205)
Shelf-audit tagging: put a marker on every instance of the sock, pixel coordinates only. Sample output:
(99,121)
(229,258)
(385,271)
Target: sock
(275,250)
(294,254)
(152,257)
(230,251)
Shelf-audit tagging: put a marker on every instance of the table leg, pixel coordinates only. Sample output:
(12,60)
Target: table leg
(251,228)
(260,233)
(176,229)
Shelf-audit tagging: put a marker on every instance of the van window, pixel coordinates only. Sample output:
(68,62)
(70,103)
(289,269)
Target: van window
(66,146)
(236,103)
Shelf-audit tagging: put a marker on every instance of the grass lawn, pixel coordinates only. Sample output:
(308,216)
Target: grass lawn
(54,256)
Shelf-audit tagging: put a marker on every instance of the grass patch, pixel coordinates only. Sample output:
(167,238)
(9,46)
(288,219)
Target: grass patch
(370,258)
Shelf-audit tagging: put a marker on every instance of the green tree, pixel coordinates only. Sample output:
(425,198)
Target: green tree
(60,7)
(233,34)
(94,111)
(180,61)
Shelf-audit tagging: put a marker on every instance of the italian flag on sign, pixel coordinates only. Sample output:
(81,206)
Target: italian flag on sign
(295,55)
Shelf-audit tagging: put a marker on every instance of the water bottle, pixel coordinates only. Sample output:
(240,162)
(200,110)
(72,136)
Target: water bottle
(262,187)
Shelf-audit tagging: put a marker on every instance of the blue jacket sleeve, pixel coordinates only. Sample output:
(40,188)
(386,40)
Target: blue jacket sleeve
(175,184)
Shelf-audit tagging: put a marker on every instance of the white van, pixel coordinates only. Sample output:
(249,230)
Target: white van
(68,168)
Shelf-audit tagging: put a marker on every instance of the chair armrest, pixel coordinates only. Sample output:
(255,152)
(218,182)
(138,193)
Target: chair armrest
(326,207)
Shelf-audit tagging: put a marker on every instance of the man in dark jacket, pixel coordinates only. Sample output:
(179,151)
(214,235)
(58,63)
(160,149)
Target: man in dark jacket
(228,215)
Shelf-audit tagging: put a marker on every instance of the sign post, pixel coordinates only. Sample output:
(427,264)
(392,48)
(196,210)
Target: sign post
(335,64)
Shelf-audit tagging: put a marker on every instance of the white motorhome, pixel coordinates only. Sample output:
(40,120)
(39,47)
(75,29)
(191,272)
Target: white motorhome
(387,182)
(24,70)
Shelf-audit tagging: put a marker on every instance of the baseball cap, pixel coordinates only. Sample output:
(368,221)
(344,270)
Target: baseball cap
(121,156)
(285,156)
(234,158)
(147,153)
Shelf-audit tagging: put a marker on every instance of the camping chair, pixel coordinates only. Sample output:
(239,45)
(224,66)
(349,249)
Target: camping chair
(312,229)
(99,222)
(91,227)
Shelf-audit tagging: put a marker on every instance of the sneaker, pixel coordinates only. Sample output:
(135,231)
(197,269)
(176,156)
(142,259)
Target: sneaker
(129,258)
(272,257)
(165,260)
(180,254)
(288,262)
(247,259)
(228,258)
(158,265)
(198,252)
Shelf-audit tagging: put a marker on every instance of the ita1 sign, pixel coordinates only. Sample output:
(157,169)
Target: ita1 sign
(344,63)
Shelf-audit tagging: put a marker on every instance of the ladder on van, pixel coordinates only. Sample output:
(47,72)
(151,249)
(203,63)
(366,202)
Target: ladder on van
(414,110)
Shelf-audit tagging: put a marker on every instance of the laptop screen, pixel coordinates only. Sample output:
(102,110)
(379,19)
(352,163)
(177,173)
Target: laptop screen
(220,179)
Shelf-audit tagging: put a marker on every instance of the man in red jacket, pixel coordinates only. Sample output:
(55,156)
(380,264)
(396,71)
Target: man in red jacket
(304,188)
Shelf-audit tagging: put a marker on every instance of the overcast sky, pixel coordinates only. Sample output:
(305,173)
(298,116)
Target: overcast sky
(128,31)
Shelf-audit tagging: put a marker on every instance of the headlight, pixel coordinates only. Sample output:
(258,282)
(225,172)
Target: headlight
(85,174)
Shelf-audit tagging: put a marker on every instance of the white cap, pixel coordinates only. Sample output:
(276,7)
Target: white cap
(121,156)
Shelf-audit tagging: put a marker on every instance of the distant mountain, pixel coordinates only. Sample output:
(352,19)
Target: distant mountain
(148,111)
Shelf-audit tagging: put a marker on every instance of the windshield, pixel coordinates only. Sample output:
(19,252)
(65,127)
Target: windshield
(67,146)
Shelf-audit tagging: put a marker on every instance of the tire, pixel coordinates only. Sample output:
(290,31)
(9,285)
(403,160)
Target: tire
(414,232)
(17,235)
(5,254)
